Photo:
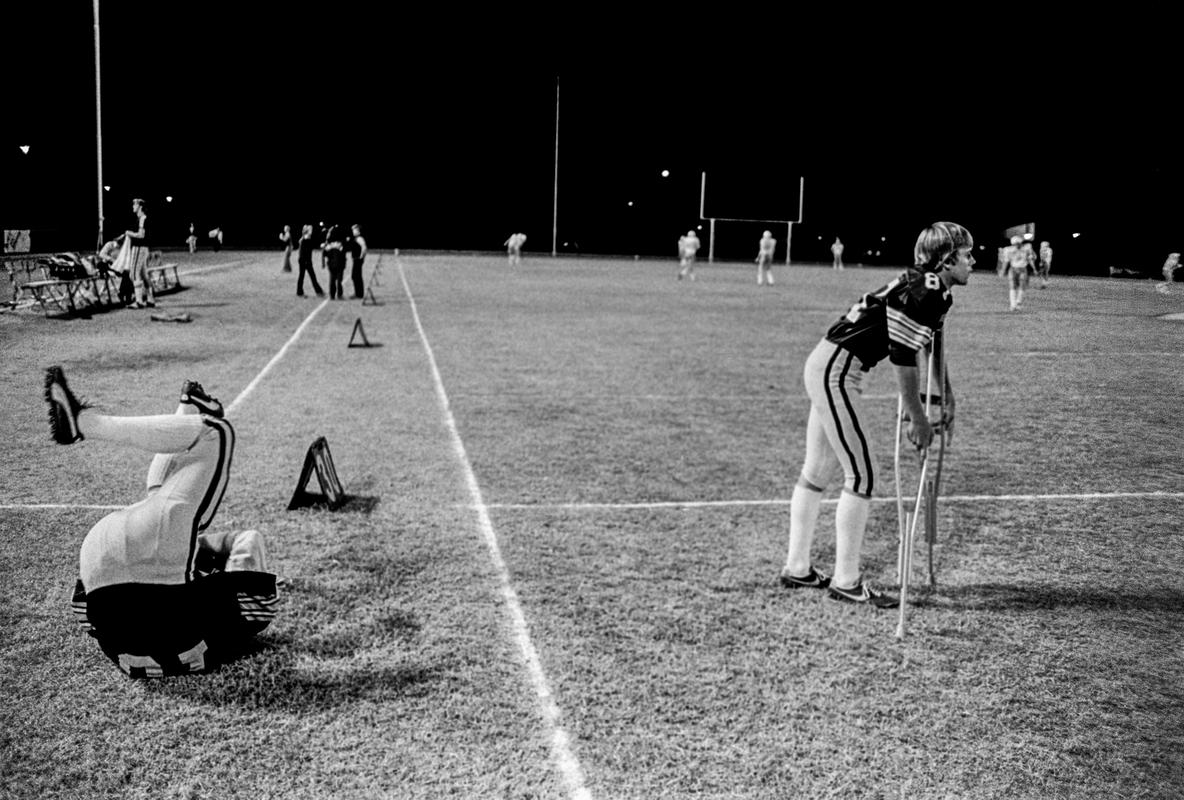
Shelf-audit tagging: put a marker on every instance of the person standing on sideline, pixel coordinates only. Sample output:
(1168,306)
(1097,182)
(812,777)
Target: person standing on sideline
(161,594)
(357,254)
(1017,267)
(688,246)
(304,250)
(836,251)
(898,321)
(137,257)
(1045,263)
(192,240)
(333,250)
(286,238)
(764,258)
(216,239)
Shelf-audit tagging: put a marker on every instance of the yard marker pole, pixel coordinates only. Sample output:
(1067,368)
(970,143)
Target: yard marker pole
(555,205)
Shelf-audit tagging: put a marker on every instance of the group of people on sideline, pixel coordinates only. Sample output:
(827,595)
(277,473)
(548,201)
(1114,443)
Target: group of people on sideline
(334,244)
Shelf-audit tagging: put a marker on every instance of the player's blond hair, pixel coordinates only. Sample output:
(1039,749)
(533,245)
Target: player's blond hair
(937,243)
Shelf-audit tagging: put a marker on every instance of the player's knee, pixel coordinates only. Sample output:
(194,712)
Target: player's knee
(813,482)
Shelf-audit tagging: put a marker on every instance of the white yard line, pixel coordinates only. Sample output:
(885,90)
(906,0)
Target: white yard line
(954,498)
(569,767)
(274,360)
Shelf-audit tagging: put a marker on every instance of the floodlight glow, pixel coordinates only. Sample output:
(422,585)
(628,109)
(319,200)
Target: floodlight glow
(25,149)
(882,239)
(1076,235)
(106,188)
(168,198)
(665,173)
(630,204)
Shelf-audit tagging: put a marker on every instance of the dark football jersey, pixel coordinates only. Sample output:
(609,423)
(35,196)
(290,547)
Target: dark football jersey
(896,320)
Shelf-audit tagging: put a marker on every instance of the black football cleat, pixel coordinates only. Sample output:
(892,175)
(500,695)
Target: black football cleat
(192,394)
(64,408)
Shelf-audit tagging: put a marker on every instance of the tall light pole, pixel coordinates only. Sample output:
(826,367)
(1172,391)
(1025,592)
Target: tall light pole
(555,205)
(98,126)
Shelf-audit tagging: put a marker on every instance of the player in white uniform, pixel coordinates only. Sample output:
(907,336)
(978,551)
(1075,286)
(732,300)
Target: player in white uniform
(1045,266)
(514,247)
(764,259)
(160,594)
(688,246)
(1017,265)
(897,321)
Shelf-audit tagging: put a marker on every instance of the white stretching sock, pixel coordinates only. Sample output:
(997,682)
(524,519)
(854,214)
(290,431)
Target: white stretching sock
(850,524)
(161,433)
(803,519)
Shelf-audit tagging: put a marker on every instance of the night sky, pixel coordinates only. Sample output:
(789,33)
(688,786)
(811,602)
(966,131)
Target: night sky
(436,129)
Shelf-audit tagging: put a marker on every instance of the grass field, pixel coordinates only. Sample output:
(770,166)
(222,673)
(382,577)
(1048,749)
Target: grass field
(557,577)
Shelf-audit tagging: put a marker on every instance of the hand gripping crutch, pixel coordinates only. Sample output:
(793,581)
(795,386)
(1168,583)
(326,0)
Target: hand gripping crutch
(908,522)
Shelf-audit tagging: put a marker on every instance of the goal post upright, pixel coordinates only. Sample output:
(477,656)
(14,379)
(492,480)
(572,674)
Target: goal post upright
(789,224)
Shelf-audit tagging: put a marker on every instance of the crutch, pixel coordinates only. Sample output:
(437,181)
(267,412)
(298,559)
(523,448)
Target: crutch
(908,525)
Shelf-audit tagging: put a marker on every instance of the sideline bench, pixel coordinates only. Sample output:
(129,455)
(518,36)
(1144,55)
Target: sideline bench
(73,295)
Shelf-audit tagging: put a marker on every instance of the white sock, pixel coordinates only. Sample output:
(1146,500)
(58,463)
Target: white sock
(803,519)
(162,433)
(850,525)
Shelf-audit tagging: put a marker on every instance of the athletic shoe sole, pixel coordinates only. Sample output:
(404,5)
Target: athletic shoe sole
(64,408)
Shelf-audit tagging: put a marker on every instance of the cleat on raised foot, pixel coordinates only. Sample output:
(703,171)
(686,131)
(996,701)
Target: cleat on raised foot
(814,580)
(64,408)
(194,395)
(862,593)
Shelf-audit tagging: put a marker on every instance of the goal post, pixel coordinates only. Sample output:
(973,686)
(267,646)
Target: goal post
(711,220)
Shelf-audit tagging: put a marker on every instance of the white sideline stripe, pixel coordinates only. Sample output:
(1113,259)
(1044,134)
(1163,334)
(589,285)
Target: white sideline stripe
(274,359)
(569,767)
(954,498)
(212,267)
(36,506)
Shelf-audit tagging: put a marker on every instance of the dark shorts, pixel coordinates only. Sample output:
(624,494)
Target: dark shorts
(154,630)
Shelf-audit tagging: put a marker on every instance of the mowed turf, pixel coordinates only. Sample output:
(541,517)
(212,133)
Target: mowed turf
(636,440)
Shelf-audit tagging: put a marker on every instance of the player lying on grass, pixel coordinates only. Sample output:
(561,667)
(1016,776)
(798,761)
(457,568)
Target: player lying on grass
(161,596)
(896,321)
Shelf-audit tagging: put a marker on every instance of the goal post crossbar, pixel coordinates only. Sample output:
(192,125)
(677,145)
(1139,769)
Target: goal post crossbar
(788,223)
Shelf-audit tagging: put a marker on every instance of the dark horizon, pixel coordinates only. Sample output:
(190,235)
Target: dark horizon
(444,138)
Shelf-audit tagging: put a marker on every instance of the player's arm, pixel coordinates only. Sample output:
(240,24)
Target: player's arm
(908,380)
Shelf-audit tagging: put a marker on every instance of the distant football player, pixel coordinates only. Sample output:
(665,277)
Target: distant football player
(160,594)
(836,251)
(1045,266)
(1169,273)
(897,321)
(514,247)
(1017,266)
(688,247)
(764,259)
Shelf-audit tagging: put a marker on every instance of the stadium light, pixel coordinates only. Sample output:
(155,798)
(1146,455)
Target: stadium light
(1076,235)
(107,188)
(630,204)
(665,173)
(168,198)
(25,149)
